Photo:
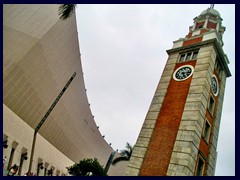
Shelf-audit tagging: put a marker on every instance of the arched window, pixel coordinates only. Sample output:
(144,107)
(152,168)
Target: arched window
(24,157)
(14,146)
(39,166)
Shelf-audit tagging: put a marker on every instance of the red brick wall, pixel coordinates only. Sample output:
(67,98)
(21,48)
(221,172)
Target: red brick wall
(200,24)
(161,144)
(204,31)
(192,41)
(211,25)
(189,35)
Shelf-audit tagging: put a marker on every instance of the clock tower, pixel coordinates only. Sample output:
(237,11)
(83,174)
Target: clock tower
(180,132)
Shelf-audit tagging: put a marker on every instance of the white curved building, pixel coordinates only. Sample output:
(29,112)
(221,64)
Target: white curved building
(40,54)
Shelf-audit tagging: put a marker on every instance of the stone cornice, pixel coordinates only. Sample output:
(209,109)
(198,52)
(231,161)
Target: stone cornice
(215,44)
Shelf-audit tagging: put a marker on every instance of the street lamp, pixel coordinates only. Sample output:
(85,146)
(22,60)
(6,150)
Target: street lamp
(109,162)
(45,117)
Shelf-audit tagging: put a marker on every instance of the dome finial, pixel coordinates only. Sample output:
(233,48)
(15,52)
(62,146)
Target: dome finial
(211,6)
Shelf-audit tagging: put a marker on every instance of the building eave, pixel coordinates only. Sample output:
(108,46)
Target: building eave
(215,44)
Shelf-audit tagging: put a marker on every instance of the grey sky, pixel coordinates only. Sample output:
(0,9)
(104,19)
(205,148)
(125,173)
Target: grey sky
(123,50)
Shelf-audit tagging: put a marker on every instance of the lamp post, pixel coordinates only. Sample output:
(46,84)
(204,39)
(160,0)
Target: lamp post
(45,117)
(109,162)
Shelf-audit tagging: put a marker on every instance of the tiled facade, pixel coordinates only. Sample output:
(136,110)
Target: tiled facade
(40,54)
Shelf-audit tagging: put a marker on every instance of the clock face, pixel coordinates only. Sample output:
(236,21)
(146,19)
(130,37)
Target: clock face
(214,84)
(183,73)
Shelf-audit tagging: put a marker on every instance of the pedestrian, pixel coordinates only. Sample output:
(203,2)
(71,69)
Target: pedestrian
(29,173)
(4,160)
(13,170)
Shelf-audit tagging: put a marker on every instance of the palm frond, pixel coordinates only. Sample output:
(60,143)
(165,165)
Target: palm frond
(129,146)
(125,153)
(66,10)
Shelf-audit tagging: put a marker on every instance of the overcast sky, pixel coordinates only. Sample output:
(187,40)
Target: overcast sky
(123,51)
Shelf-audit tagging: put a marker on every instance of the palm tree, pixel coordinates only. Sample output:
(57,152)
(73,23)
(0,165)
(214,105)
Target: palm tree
(125,154)
(66,10)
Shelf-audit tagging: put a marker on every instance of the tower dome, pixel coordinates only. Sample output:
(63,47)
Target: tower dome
(210,11)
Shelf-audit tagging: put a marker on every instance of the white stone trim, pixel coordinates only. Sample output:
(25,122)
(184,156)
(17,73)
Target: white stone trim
(196,32)
(177,44)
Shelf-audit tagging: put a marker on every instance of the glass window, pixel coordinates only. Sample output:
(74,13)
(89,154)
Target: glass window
(206,131)
(182,58)
(200,166)
(188,56)
(195,54)
(211,105)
